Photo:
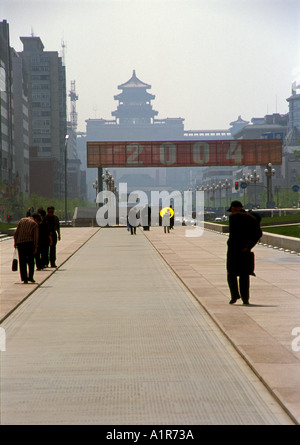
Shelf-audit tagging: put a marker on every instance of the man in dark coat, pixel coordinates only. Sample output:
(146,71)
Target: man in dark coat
(45,240)
(244,233)
(54,225)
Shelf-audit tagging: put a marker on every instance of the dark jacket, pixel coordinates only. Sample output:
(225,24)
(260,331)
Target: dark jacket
(244,233)
(53,223)
(44,233)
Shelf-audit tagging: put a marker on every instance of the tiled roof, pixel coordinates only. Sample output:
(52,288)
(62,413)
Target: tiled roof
(134,82)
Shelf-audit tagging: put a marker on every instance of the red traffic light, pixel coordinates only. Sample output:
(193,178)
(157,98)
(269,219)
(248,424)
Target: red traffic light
(236,185)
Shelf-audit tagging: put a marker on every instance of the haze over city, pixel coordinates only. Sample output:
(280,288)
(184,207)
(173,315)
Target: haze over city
(207,62)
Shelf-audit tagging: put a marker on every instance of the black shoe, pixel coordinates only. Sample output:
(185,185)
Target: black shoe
(246,302)
(31,280)
(234,300)
(53,265)
(25,282)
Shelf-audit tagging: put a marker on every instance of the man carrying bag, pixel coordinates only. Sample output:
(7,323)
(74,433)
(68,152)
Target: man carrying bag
(26,241)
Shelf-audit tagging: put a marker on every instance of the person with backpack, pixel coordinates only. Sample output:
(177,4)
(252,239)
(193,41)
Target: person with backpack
(244,233)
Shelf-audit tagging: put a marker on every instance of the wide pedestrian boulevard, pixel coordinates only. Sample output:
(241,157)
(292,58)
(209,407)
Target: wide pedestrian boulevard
(137,330)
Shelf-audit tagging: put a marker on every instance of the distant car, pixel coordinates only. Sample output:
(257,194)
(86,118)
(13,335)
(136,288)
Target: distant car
(221,219)
(178,221)
(188,222)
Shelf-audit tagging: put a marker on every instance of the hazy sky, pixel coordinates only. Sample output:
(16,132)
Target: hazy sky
(208,61)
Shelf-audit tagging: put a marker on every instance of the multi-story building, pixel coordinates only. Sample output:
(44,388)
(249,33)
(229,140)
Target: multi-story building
(271,126)
(294,107)
(7,167)
(291,152)
(46,82)
(14,127)
(21,126)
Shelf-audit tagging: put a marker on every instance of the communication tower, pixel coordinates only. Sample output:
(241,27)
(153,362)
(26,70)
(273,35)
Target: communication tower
(63,52)
(73,97)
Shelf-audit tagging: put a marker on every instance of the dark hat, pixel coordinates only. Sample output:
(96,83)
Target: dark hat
(235,204)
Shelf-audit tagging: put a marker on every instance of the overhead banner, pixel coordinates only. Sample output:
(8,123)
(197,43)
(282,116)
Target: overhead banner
(184,153)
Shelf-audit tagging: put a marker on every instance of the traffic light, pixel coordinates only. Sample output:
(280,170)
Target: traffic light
(236,185)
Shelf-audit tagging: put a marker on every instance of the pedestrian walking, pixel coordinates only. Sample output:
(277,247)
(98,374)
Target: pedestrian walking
(172,218)
(244,233)
(132,220)
(54,225)
(26,241)
(30,211)
(166,221)
(45,241)
(146,217)
(131,228)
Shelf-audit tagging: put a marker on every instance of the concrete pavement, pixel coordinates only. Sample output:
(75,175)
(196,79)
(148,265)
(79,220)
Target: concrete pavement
(265,333)
(12,290)
(114,335)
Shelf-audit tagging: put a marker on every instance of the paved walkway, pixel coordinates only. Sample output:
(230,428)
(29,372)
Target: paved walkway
(116,336)
(12,290)
(265,333)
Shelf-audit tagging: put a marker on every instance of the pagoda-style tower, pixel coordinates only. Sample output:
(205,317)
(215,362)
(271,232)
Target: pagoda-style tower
(134,103)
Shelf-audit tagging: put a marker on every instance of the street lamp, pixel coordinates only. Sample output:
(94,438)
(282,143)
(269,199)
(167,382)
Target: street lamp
(254,178)
(213,189)
(245,181)
(269,172)
(95,186)
(205,189)
(226,186)
(219,187)
(66,177)
(109,181)
(202,189)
